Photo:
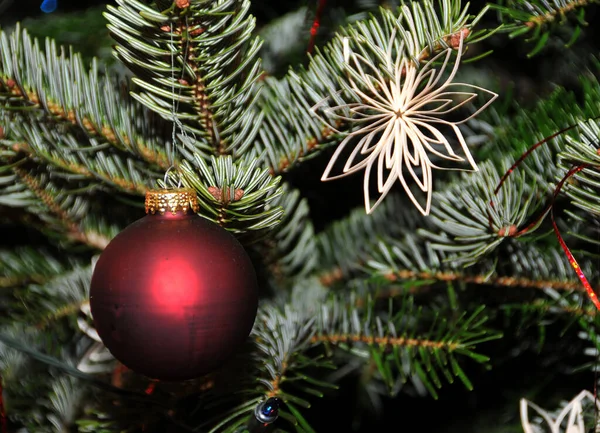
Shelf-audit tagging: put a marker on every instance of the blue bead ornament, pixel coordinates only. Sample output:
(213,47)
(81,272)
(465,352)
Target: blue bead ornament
(48,6)
(268,411)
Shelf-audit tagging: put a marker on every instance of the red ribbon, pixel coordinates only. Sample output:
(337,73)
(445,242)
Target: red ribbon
(574,170)
(315,26)
(588,288)
(151,386)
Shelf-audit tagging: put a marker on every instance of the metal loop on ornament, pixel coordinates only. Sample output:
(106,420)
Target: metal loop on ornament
(179,183)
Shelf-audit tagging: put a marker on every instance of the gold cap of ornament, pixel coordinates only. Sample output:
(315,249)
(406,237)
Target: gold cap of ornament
(172,200)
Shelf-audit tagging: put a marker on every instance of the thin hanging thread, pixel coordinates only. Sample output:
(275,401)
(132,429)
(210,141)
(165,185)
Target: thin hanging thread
(171,149)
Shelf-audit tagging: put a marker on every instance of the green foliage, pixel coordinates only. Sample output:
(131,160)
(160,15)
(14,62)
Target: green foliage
(56,396)
(249,213)
(23,265)
(426,347)
(470,225)
(63,296)
(583,191)
(536,19)
(70,127)
(375,296)
(63,214)
(346,244)
(292,250)
(199,63)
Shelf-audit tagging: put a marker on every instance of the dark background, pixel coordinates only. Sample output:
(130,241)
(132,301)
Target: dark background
(526,370)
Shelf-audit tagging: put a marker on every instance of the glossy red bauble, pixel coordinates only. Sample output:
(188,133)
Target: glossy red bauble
(173,295)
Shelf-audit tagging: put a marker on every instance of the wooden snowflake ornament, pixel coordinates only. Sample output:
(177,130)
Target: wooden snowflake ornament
(569,420)
(395,120)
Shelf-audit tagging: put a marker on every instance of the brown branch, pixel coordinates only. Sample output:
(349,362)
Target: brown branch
(337,274)
(8,282)
(74,232)
(202,103)
(484,280)
(64,311)
(313,144)
(276,383)
(105,131)
(22,147)
(452,41)
(568,309)
(392,293)
(71,167)
(382,341)
(549,17)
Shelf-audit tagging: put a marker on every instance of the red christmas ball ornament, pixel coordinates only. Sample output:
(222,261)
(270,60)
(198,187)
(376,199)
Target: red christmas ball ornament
(173,295)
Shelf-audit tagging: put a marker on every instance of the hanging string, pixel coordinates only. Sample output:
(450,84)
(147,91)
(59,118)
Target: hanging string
(177,125)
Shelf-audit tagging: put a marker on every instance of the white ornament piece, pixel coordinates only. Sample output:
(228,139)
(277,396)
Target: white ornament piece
(397,119)
(96,360)
(571,416)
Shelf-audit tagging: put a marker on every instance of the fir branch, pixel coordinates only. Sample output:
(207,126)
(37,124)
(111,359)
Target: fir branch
(213,74)
(583,189)
(64,402)
(63,296)
(549,163)
(291,252)
(289,134)
(556,11)
(280,364)
(12,363)
(425,346)
(411,260)
(52,203)
(514,134)
(25,379)
(555,304)
(345,245)
(484,279)
(14,344)
(24,265)
(385,341)
(36,82)
(284,335)
(52,146)
(537,18)
(28,349)
(470,225)
(236,196)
